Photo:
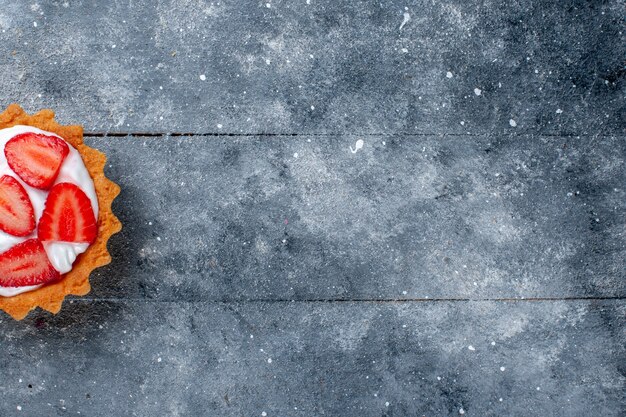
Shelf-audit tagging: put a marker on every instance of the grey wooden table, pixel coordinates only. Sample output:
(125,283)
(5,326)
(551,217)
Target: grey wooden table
(363,208)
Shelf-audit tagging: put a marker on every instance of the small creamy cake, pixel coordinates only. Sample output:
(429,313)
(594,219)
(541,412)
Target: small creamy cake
(55,212)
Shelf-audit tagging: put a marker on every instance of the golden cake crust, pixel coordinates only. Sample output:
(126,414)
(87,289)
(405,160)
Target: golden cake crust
(76,282)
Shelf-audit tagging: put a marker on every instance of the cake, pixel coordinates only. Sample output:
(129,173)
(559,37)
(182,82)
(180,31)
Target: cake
(55,212)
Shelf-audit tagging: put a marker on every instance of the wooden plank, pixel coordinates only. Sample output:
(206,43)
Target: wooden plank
(303,359)
(322,66)
(222,218)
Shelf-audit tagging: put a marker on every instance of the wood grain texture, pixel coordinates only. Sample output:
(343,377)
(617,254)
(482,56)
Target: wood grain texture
(266,269)
(303,359)
(212,218)
(324,67)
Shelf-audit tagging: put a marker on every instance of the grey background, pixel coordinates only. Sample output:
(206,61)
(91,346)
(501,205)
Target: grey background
(469,259)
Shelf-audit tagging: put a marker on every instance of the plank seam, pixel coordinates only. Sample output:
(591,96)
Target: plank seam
(223,134)
(362,300)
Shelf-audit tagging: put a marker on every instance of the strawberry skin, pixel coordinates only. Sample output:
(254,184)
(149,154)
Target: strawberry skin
(68,216)
(17,216)
(36,158)
(26,264)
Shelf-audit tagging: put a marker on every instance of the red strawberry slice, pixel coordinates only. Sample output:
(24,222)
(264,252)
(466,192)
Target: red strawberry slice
(26,264)
(68,216)
(36,158)
(16,211)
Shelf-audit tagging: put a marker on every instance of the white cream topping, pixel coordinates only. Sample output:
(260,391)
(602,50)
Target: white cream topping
(61,254)
(11,291)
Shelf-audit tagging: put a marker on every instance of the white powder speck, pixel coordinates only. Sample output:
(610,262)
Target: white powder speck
(308,1)
(219,126)
(35,24)
(387,404)
(312,107)
(251,336)
(500,399)
(268,61)
(203,77)
(448,74)
(438,378)
(478,91)
(405,19)
(19,408)
(404,50)
(159,359)
(470,347)
(502,368)
(538,388)
(462,123)
(461,411)
(358,145)
(113,46)
(404,292)
(512,122)
(268,5)
(263,413)
(269,360)
(559,111)
(494,343)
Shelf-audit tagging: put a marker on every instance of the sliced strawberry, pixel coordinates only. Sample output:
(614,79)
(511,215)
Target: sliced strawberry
(26,264)
(68,216)
(16,211)
(36,158)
